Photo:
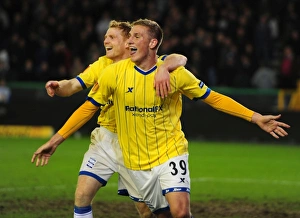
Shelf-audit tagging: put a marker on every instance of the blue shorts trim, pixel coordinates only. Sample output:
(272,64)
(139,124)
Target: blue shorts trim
(176,189)
(136,199)
(123,192)
(98,178)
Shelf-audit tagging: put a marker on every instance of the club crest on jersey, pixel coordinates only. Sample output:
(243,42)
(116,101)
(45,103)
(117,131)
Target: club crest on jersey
(130,89)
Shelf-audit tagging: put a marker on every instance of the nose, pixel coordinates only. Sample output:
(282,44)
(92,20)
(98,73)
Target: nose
(129,40)
(105,40)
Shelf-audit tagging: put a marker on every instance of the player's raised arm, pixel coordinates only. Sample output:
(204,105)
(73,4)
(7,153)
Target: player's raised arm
(162,76)
(63,88)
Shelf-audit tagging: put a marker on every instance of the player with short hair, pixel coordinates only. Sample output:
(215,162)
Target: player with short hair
(104,156)
(154,147)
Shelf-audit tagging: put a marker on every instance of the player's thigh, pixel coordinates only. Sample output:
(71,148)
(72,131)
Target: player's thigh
(86,190)
(88,185)
(179,202)
(143,210)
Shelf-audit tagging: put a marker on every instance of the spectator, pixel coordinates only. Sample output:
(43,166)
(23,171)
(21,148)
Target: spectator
(264,77)
(263,39)
(4,64)
(288,71)
(244,74)
(4,97)
(30,31)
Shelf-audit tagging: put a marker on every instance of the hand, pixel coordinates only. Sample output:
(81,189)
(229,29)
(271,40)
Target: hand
(43,153)
(51,87)
(162,82)
(270,124)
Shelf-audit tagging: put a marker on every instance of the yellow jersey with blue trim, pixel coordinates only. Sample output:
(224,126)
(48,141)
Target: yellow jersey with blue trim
(90,75)
(149,127)
(90,78)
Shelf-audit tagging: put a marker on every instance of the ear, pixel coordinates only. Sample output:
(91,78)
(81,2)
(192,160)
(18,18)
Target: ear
(153,43)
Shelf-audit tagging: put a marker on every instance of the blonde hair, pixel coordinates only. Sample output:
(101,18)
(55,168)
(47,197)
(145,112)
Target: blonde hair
(125,26)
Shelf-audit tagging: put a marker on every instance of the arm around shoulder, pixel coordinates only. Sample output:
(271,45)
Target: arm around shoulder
(162,77)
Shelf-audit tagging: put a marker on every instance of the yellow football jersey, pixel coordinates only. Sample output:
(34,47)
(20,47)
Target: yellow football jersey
(91,74)
(89,78)
(148,126)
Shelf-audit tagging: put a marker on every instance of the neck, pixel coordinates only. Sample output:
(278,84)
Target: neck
(147,63)
(120,58)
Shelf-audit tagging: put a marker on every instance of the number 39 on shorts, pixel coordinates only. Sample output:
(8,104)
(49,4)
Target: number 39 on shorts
(178,167)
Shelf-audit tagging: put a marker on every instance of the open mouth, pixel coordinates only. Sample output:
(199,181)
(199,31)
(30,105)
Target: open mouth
(108,48)
(133,50)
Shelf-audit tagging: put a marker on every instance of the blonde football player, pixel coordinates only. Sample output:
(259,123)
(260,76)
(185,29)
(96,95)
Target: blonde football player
(154,147)
(103,157)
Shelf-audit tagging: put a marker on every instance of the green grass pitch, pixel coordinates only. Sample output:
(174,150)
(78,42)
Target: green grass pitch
(219,171)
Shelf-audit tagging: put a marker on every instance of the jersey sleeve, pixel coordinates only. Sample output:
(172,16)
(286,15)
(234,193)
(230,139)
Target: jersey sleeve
(100,93)
(83,114)
(228,105)
(91,74)
(189,85)
(162,57)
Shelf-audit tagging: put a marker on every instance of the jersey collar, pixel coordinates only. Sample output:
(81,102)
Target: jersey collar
(145,72)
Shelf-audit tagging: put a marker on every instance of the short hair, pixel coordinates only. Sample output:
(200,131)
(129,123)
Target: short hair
(155,30)
(125,26)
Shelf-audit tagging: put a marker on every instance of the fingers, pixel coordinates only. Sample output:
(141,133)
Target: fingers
(33,158)
(162,89)
(278,131)
(50,88)
(274,135)
(43,162)
(38,158)
(41,159)
(283,125)
(50,91)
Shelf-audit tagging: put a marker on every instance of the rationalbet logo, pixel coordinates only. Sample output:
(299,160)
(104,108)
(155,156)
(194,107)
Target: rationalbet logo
(153,109)
(144,111)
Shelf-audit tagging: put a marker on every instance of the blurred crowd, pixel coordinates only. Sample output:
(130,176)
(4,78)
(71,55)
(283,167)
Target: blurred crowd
(233,43)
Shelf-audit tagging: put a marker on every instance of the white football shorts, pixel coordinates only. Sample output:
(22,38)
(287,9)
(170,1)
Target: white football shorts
(104,158)
(171,176)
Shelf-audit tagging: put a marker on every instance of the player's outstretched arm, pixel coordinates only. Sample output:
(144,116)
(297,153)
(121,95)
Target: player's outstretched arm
(227,105)
(83,114)
(43,153)
(63,88)
(162,76)
(270,124)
